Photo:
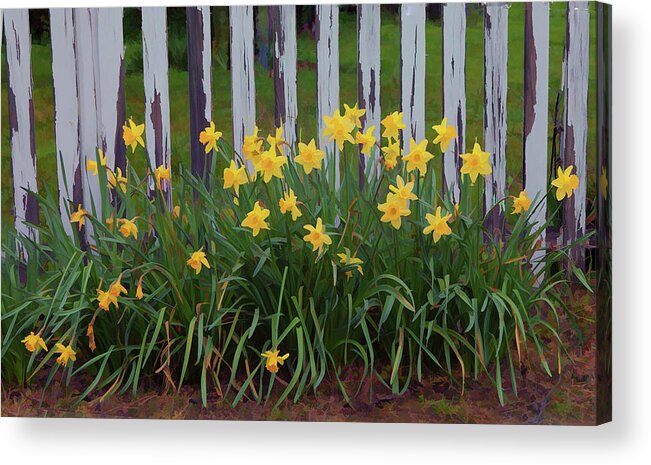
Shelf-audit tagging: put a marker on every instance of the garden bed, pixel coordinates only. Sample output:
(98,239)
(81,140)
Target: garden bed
(565,399)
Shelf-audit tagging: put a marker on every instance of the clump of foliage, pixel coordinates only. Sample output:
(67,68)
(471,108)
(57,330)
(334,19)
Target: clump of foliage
(284,274)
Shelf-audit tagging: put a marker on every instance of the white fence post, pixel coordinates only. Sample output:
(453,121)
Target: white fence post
(575,121)
(368,74)
(327,78)
(283,20)
(109,84)
(412,60)
(243,76)
(21,123)
(535,158)
(66,113)
(157,102)
(200,82)
(454,90)
(88,111)
(496,54)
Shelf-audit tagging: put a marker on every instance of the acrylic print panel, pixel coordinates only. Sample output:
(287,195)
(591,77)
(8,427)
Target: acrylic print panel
(387,213)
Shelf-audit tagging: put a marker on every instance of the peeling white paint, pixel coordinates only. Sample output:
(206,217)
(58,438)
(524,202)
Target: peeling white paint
(23,154)
(285,62)
(108,58)
(536,100)
(206,61)
(454,89)
(496,53)
(157,105)
(66,110)
(368,74)
(575,132)
(327,73)
(87,112)
(412,57)
(243,76)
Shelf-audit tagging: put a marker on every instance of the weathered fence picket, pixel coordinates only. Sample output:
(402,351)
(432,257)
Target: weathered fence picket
(200,85)
(454,90)
(243,76)
(157,100)
(109,84)
(496,53)
(327,77)
(66,112)
(575,120)
(412,61)
(536,96)
(21,123)
(88,114)
(368,74)
(283,23)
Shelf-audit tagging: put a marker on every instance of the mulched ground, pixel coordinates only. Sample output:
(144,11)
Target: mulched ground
(568,398)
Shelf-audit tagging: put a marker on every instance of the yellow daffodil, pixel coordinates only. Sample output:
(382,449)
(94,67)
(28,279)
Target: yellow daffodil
(33,342)
(234,177)
(139,293)
(338,128)
(353,114)
(252,147)
(603,183)
(418,156)
(476,163)
(391,154)
(288,204)
(128,228)
(565,183)
(105,299)
(91,165)
(276,142)
(113,180)
(437,225)
(255,219)
(270,165)
(176,212)
(521,203)
(346,259)
(79,217)
(317,235)
(132,134)
(161,173)
(445,134)
(309,157)
(209,137)
(403,190)
(393,211)
(197,260)
(392,125)
(66,354)
(366,139)
(116,288)
(273,360)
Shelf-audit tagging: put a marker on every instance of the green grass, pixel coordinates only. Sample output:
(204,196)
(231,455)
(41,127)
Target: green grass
(390,88)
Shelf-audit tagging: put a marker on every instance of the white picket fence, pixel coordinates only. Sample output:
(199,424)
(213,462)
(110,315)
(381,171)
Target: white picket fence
(88,73)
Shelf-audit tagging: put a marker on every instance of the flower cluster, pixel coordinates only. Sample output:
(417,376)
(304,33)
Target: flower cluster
(266,160)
